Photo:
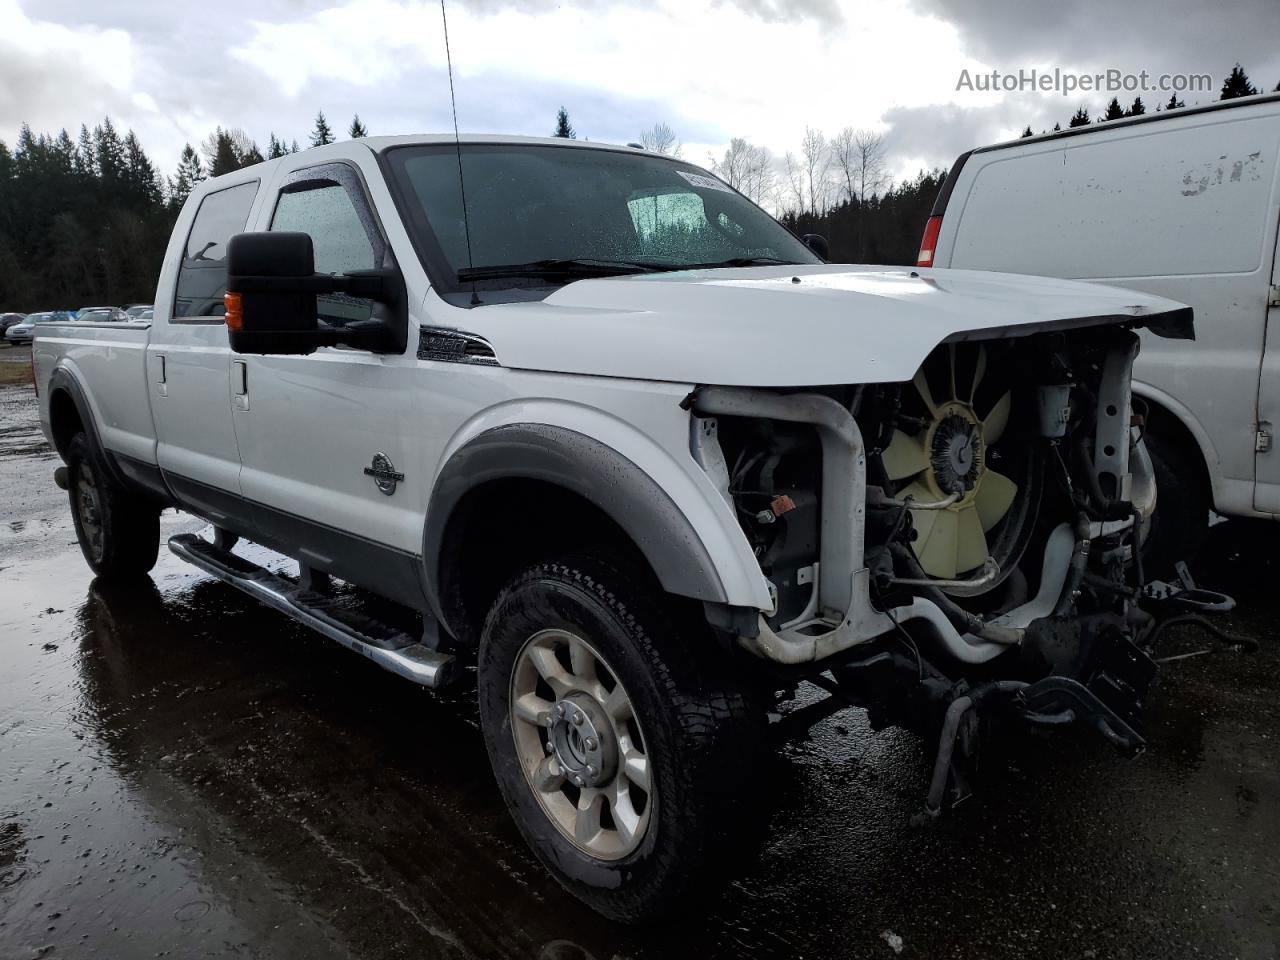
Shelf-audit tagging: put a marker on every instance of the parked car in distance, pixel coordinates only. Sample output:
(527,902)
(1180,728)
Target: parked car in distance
(1184,204)
(7,320)
(21,332)
(102,315)
(639,451)
(135,311)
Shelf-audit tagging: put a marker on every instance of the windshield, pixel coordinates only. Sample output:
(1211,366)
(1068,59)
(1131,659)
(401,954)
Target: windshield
(536,204)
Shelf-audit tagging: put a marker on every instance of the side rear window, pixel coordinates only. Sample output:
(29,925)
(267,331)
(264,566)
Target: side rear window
(202,277)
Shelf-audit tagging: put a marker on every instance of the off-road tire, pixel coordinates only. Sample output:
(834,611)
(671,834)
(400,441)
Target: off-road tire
(127,540)
(1181,519)
(699,723)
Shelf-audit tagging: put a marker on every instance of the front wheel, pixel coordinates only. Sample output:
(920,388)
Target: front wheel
(616,739)
(119,532)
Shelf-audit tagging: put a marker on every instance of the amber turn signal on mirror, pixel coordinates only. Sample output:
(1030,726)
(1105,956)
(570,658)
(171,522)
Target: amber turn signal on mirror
(234,315)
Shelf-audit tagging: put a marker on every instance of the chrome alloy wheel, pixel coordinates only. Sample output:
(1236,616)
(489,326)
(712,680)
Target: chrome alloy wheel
(580,745)
(89,508)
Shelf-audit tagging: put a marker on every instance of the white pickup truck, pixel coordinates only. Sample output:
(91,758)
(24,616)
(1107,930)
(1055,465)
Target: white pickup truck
(639,453)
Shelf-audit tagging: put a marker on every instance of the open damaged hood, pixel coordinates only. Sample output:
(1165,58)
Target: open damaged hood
(793,325)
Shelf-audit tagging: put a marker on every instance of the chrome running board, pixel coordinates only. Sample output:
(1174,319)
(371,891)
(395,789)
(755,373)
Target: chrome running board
(388,648)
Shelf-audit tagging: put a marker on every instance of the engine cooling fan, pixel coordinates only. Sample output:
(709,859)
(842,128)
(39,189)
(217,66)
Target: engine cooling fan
(947,451)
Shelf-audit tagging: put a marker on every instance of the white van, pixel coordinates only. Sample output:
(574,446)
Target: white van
(1184,204)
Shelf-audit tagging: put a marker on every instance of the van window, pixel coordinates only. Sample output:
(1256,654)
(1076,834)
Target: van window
(1161,201)
(202,277)
(325,210)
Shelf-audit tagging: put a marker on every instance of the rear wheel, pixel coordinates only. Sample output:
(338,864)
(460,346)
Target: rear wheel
(119,532)
(616,740)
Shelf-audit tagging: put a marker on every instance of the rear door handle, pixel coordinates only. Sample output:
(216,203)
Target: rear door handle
(240,384)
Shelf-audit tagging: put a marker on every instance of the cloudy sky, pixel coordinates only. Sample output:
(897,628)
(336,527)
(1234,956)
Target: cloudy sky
(711,69)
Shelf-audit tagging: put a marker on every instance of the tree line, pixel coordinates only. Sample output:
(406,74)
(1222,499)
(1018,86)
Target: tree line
(85,221)
(1236,84)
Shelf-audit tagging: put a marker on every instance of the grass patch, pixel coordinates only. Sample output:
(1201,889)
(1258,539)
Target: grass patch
(14,373)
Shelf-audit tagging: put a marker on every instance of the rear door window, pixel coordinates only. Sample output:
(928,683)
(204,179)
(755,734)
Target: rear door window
(202,277)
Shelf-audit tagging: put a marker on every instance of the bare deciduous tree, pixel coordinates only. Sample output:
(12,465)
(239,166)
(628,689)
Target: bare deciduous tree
(817,169)
(660,138)
(747,168)
(795,180)
(859,158)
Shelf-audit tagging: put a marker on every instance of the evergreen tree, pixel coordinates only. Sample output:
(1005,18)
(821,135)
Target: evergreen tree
(275,148)
(321,133)
(1114,110)
(140,174)
(220,150)
(1079,119)
(294,147)
(190,172)
(84,163)
(109,152)
(1057,127)
(1027,132)
(1237,85)
(64,151)
(1137,109)
(357,129)
(251,156)
(563,127)
(1174,103)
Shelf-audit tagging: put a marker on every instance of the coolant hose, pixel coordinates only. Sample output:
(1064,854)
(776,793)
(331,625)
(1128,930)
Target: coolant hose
(951,728)
(1076,568)
(960,618)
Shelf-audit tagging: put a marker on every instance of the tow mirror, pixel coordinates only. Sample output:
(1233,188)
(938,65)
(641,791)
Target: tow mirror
(271,296)
(818,244)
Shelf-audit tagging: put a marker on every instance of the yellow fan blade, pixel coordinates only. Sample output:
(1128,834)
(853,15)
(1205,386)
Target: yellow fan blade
(971,542)
(936,547)
(997,420)
(994,497)
(905,456)
(979,369)
(922,387)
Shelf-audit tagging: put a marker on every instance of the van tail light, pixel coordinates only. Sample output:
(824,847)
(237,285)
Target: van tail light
(929,242)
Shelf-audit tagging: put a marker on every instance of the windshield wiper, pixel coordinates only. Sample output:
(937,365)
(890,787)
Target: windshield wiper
(742,262)
(571,268)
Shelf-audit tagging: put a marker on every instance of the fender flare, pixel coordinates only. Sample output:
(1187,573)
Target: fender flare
(582,465)
(63,380)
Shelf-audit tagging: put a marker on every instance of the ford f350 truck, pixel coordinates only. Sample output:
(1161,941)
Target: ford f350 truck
(637,451)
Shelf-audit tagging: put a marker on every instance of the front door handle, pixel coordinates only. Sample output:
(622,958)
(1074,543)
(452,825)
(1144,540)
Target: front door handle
(240,384)
(159,374)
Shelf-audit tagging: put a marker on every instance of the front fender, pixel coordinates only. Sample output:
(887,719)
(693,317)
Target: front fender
(670,510)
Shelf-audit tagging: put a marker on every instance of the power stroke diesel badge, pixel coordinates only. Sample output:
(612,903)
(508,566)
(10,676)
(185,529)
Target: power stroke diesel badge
(384,473)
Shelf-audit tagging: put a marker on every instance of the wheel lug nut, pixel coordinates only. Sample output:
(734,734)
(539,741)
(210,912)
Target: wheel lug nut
(577,719)
(577,779)
(590,743)
(592,771)
(549,747)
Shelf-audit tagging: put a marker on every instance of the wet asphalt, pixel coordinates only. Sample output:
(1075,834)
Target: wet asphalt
(186,774)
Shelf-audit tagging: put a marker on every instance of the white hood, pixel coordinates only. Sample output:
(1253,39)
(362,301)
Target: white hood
(787,326)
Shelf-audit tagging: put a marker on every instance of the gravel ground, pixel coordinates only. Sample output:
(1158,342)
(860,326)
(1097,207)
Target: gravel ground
(183,773)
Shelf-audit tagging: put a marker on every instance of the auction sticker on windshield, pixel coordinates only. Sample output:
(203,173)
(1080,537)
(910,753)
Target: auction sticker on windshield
(706,183)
